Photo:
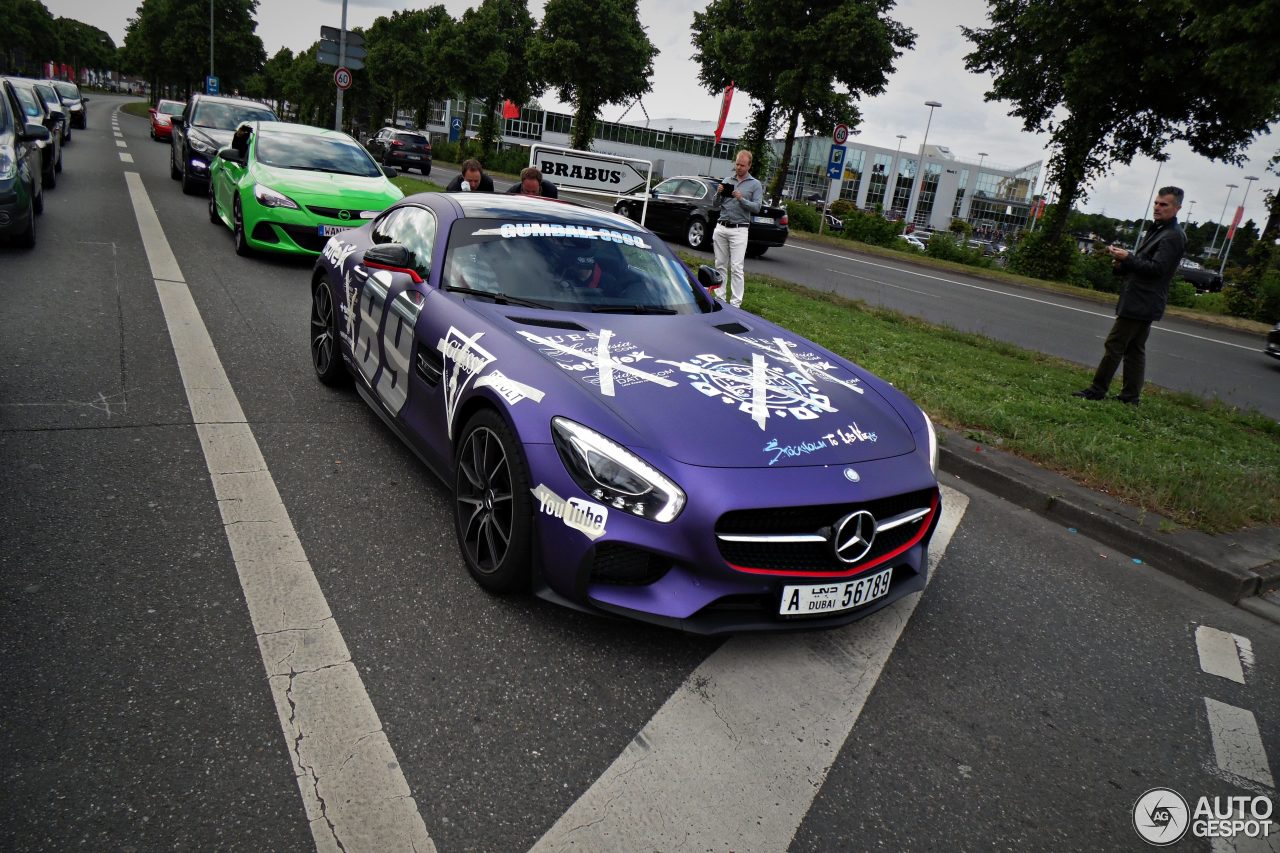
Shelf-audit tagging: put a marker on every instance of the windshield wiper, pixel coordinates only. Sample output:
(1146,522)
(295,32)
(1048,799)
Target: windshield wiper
(500,298)
(632,309)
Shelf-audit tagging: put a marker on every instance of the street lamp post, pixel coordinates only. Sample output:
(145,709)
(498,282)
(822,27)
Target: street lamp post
(1248,182)
(210,38)
(982,155)
(1142,223)
(918,185)
(1192,207)
(1230,187)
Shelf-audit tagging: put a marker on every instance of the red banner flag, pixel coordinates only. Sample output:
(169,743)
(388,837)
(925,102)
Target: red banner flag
(724,111)
(510,110)
(1231,232)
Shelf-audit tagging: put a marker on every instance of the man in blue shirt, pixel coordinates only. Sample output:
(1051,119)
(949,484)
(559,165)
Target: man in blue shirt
(741,196)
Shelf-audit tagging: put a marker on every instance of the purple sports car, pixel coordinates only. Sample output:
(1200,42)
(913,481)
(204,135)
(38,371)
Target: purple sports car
(617,439)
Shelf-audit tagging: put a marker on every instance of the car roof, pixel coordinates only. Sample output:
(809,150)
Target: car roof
(227,99)
(293,127)
(533,209)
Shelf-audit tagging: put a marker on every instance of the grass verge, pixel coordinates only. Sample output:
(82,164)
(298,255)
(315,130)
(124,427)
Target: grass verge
(1203,464)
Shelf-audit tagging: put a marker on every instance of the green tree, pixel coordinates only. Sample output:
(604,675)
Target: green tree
(168,41)
(269,83)
(404,61)
(497,38)
(595,53)
(84,46)
(1111,81)
(810,60)
(28,35)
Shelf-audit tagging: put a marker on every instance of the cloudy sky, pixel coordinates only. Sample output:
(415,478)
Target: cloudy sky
(934,70)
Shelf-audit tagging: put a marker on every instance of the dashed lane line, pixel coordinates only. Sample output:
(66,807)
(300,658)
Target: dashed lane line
(1237,742)
(353,790)
(1220,653)
(735,757)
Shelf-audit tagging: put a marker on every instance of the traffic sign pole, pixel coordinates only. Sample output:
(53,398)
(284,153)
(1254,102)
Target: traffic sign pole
(342,61)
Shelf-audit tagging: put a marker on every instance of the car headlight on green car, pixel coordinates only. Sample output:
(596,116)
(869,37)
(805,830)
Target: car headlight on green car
(614,475)
(268,197)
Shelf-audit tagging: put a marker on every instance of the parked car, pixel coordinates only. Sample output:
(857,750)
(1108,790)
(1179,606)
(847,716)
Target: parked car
(1273,342)
(403,148)
(76,104)
(53,104)
(163,115)
(205,126)
(616,439)
(1204,280)
(685,207)
(21,193)
(290,187)
(36,111)
(913,241)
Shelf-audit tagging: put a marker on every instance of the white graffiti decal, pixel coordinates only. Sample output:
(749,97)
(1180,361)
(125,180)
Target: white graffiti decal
(851,435)
(810,365)
(464,360)
(606,363)
(350,308)
(511,390)
(577,514)
(758,389)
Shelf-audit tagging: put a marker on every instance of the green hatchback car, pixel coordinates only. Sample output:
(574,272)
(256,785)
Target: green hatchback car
(284,187)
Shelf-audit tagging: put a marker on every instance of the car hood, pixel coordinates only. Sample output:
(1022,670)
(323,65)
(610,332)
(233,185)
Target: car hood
(725,390)
(348,191)
(219,138)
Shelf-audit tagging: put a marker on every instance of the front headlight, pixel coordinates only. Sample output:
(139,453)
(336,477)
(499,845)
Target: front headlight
(8,164)
(933,446)
(614,475)
(268,197)
(200,145)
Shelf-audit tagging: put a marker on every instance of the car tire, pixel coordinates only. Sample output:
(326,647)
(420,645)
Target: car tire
(37,196)
(237,225)
(213,209)
(174,172)
(57,167)
(756,251)
(49,179)
(326,351)
(426,171)
(190,186)
(27,239)
(493,505)
(696,234)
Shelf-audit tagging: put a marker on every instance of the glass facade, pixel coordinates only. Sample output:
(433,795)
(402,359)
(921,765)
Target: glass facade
(879,180)
(852,179)
(902,187)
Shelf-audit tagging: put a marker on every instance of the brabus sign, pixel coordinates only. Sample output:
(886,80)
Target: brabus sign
(585,170)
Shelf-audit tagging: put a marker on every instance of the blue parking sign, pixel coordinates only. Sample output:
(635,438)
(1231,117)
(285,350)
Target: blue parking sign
(211,85)
(835,163)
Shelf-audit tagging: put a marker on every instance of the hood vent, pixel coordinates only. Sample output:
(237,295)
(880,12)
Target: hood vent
(734,328)
(547,322)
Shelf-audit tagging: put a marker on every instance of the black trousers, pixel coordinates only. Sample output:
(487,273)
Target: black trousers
(1126,342)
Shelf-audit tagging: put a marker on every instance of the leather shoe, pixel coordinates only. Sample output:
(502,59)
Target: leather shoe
(1088,394)
(1130,401)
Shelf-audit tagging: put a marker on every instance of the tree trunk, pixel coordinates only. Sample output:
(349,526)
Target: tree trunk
(780,177)
(584,121)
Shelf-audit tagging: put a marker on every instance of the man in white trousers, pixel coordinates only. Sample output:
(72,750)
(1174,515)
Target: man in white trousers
(741,196)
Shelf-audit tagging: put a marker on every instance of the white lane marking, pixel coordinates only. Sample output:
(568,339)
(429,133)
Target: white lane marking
(884,283)
(126,158)
(1219,654)
(120,143)
(1237,742)
(353,790)
(735,757)
(117,133)
(1013,295)
(1270,843)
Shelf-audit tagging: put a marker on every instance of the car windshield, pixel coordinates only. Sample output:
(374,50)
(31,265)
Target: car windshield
(28,99)
(170,108)
(228,116)
(569,267)
(315,153)
(49,96)
(67,90)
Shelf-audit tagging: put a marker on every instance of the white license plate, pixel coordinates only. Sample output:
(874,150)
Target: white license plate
(330,230)
(413,156)
(812,599)
(763,220)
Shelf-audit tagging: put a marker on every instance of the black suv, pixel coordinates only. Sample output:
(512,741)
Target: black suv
(204,127)
(403,148)
(685,207)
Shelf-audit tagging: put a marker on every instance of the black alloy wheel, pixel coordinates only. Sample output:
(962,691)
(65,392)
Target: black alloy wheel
(493,507)
(325,356)
(237,225)
(174,172)
(213,209)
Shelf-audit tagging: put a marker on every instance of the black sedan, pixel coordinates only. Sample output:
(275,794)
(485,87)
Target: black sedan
(205,126)
(402,148)
(21,195)
(685,207)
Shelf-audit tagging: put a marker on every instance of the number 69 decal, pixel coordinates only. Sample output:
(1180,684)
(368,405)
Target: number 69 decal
(385,364)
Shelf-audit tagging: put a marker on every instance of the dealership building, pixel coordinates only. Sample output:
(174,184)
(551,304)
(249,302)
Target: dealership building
(979,192)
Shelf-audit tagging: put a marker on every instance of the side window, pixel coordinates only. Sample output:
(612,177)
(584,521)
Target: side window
(668,187)
(415,229)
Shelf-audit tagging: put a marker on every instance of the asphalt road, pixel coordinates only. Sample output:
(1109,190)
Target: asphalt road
(1026,701)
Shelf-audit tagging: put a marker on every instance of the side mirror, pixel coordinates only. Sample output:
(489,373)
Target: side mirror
(391,171)
(35,133)
(710,277)
(83,99)
(231,155)
(393,257)
(654,192)
(151,110)
(57,115)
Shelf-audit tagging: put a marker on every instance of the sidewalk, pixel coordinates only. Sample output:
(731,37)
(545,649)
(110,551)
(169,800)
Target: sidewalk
(1242,568)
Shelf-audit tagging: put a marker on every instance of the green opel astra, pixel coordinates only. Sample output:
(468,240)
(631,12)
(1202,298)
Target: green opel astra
(284,187)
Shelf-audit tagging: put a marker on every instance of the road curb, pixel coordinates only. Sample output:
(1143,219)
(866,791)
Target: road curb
(1236,567)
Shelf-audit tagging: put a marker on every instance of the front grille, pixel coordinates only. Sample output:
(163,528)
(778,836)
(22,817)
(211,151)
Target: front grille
(815,556)
(336,213)
(306,236)
(622,564)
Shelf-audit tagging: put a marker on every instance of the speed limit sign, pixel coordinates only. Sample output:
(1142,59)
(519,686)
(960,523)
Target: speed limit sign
(342,77)
(841,135)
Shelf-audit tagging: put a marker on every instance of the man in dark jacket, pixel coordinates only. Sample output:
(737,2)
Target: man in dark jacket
(532,183)
(1148,271)
(473,176)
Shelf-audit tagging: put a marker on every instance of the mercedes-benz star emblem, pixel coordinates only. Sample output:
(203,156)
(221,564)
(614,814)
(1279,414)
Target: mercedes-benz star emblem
(852,536)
